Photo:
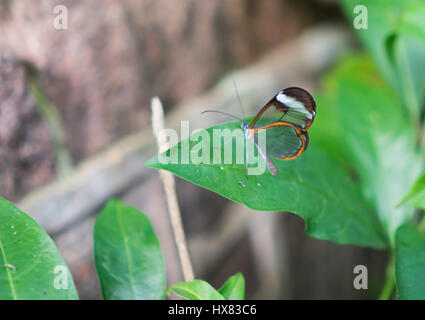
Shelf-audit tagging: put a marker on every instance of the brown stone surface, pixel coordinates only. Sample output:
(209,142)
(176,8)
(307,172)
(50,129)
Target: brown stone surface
(25,155)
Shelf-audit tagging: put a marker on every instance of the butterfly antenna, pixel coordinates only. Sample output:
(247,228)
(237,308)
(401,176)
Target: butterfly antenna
(225,113)
(239,98)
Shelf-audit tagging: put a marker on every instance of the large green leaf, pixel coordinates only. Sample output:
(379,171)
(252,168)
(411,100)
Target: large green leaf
(128,256)
(377,135)
(234,288)
(196,290)
(314,186)
(410,263)
(31,267)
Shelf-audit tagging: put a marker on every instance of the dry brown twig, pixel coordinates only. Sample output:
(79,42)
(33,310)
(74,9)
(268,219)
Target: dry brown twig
(158,124)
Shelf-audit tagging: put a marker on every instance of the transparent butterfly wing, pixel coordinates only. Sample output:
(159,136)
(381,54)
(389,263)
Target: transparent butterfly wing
(283,141)
(293,105)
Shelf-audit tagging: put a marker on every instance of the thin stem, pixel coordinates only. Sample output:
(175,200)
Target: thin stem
(167,178)
(388,288)
(50,114)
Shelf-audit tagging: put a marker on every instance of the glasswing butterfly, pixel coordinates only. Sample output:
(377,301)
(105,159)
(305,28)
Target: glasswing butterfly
(286,119)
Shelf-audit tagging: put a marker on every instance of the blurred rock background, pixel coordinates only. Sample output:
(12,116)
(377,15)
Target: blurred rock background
(99,76)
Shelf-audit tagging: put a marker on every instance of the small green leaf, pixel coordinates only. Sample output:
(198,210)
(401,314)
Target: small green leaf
(234,288)
(31,267)
(196,290)
(416,195)
(128,256)
(410,263)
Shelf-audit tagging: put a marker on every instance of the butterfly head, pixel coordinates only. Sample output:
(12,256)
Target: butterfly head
(245,125)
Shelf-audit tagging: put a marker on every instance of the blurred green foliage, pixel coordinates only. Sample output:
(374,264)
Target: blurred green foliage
(395,38)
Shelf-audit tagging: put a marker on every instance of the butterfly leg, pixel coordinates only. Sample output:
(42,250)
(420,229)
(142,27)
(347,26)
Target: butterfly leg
(271,166)
(246,160)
